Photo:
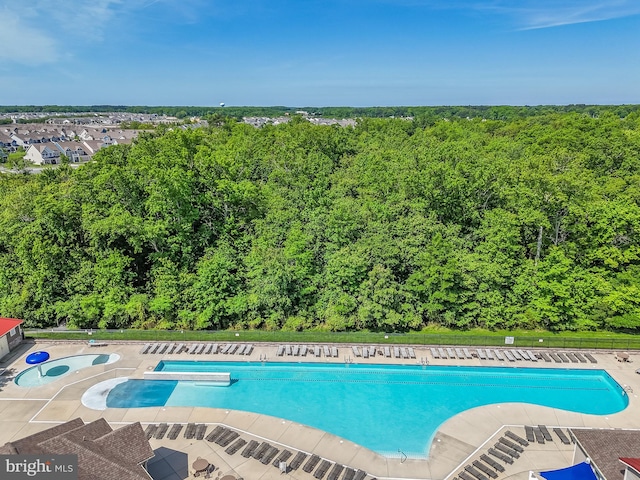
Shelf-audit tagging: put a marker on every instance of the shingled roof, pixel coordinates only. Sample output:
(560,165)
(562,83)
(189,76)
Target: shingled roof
(606,447)
(103,453)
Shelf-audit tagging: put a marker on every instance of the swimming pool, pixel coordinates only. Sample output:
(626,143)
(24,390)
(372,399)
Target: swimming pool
(55,369)
(382,407)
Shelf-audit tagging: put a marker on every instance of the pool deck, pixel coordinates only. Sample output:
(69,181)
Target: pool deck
(24,411)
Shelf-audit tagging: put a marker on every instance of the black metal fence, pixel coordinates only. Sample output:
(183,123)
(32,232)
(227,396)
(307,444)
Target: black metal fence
(543,341)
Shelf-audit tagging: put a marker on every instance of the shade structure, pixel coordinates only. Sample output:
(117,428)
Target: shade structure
(37,357)
(581,471)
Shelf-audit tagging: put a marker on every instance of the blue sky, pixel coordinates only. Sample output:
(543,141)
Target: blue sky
(319,53)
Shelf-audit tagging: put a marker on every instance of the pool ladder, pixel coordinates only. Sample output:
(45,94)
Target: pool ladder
(403,456)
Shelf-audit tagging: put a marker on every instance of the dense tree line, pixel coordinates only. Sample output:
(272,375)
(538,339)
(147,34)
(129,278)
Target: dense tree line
(388,226)
(424,115)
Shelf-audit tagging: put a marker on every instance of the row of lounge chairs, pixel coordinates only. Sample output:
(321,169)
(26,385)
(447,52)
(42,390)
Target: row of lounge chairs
(304,350)
(506,449)
(263,452)
(541,434)
(511,355)
(197,348)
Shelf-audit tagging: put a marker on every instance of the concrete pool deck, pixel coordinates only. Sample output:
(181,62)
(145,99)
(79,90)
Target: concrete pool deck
(24,411)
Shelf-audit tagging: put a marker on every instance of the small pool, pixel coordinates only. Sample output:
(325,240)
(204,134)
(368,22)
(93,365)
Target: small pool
(385,408)
(55,369)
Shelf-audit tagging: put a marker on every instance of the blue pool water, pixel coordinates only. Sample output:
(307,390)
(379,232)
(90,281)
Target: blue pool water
(60,367)
(382,407)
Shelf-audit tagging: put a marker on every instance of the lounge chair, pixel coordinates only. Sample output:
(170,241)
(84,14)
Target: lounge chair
(226,348)
(207,349)
(460,353)
(515,354)
(179,348)
(591,358)
(412,353)
(174,431)
(261,450)
(334,352)
(190,431)
(571,356)
(500,455)
(372,351)
(580,357)
(532,356)
(288,350)
(539,435)
(269,455)
(235,446)
(555,357)
(296,350)
(355,350)
(509,356)
(545,433)
(241,350)
(523,354)
(499,355)
(322,469)
(442,353)
(249,449)
(326,350)
(227,439)
(192,348)
(280,351)
(154,347)
(396,352)
(349,473)
(474,471)
(465,476)
(481,466)
(491,462)
(481,354)
(311,464)
(200,349)
(161,431)
(360,474)
(335,472)
(504,449)
(511,445)
(216,433)
(563,357)
(150,430)
(248,349)
(517,438)
(403,352)
(387,352)
(297,460)
(545,357)
(489,354)
(450,352)
(283,457)
(170,348)
(303,350)
(145,348)
(434,353)
(528,430)
(232,349)
(201,429)
(563,438)
(317,351)
(467,354)
(365,352)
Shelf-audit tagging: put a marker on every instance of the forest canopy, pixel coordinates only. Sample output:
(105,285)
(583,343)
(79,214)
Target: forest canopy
(391,225)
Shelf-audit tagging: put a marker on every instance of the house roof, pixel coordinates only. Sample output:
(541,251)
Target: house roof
(606,447)
(632,463)
(103,453)
(6,324)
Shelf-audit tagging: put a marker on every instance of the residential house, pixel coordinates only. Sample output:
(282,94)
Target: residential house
(42,154)
(74,151)
(103,453)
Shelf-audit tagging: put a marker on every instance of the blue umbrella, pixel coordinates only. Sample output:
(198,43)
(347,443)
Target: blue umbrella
(37,358)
